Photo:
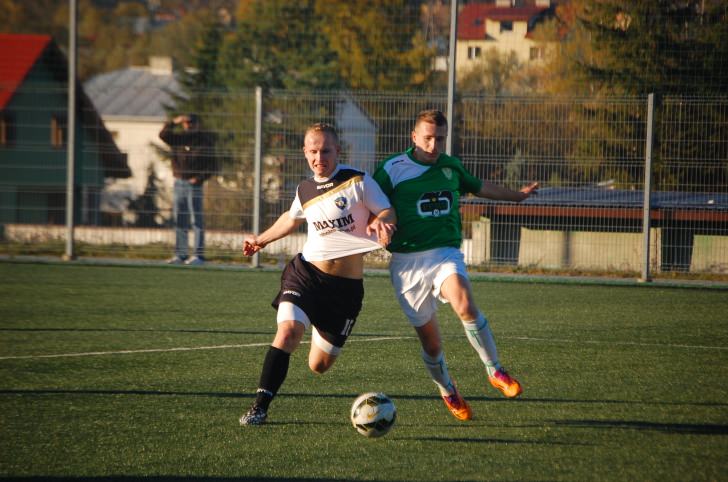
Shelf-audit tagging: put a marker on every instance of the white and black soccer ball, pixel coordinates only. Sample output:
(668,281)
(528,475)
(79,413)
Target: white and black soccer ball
(373,414)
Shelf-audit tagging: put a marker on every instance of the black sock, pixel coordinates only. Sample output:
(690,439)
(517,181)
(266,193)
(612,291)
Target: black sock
(275,369)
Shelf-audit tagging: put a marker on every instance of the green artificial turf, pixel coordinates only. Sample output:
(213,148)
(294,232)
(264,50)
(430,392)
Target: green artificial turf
(125,373)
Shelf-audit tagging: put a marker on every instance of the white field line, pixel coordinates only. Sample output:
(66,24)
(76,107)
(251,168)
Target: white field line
(623,343)
(163,350)
(355,340)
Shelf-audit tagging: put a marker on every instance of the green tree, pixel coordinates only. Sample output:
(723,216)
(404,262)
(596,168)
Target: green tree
(380,44)
(277,44)
(202,78)
(618,47)
(177,39)
(31,17)
(612,48)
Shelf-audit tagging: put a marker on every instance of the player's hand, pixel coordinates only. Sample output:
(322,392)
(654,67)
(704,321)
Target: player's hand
(251,246)
(530,190)
(384,231)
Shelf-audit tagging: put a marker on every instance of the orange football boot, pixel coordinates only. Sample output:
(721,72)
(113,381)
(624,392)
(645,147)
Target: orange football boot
(502,381)
(458,406)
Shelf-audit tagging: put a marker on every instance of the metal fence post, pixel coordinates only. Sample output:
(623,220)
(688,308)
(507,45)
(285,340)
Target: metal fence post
(255,262)
(71,131)
(646,204)
(451,76)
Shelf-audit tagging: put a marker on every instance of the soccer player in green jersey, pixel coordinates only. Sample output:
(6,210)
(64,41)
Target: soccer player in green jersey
(424,185)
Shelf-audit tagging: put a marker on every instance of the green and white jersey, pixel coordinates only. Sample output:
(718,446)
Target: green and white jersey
(426,198)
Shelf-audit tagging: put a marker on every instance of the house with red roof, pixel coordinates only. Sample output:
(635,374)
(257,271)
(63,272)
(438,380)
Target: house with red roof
(34,136)
(504,25)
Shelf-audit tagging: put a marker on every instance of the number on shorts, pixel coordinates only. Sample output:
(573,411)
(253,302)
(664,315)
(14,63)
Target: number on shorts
(347,327)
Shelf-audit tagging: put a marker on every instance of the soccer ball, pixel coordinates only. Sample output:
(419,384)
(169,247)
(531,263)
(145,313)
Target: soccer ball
(373,414)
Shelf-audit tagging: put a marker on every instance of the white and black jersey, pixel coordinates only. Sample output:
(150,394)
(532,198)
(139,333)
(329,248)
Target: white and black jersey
(337,213)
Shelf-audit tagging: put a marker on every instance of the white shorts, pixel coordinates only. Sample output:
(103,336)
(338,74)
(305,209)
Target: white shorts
(289,311)
(418,277)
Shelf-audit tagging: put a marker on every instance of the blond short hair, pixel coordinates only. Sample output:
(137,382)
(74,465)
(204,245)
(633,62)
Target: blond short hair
(325,128)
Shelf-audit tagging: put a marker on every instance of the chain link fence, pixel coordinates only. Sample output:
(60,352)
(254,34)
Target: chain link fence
(589,154)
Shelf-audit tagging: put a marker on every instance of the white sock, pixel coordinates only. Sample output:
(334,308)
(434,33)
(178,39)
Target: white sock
(437,367)
(481,338)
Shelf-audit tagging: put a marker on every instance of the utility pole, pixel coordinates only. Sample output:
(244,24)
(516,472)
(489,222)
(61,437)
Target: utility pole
(71,129)
(451,75)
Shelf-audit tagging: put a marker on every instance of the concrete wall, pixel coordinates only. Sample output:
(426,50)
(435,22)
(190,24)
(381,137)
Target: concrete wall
(590,250)
(710,254)
(586,250)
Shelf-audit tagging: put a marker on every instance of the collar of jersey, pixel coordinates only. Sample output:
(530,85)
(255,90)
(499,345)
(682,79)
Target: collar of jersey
(411,154)
(333,174)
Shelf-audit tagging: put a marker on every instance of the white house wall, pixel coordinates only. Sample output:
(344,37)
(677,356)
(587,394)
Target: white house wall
(136,138)
(358,136)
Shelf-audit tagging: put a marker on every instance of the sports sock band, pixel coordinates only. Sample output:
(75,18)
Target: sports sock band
(437,367)
(481,339)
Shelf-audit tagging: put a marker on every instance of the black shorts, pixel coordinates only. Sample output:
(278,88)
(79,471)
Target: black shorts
(331,303)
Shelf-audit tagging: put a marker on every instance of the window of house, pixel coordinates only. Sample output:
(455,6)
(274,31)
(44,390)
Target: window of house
(56,203)
(506,26)
(58,130)
(473,52)
(7,127)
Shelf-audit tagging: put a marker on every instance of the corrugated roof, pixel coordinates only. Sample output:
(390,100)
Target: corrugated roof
(18,53)
(132,92)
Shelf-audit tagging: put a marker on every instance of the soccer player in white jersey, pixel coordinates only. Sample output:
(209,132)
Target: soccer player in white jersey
(348,215)
(424,185)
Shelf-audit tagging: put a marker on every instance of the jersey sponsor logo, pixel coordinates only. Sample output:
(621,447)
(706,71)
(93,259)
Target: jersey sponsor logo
(341,202)
(334,223)
(435,204)
(291,292)
(447,172)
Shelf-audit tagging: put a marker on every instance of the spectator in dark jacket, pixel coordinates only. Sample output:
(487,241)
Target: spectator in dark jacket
(192,164)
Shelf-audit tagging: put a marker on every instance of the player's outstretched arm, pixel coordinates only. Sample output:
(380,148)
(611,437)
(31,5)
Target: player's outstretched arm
(283,226)
(500,193)
(383,225)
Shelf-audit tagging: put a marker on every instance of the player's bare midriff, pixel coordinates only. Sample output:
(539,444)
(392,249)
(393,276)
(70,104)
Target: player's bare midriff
(351,266)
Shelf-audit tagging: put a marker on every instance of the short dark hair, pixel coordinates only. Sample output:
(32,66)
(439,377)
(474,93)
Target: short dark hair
(193,119)
(431,116)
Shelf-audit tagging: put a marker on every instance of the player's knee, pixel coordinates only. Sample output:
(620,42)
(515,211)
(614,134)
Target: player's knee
(287,340)
(466,311)
(319,367)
